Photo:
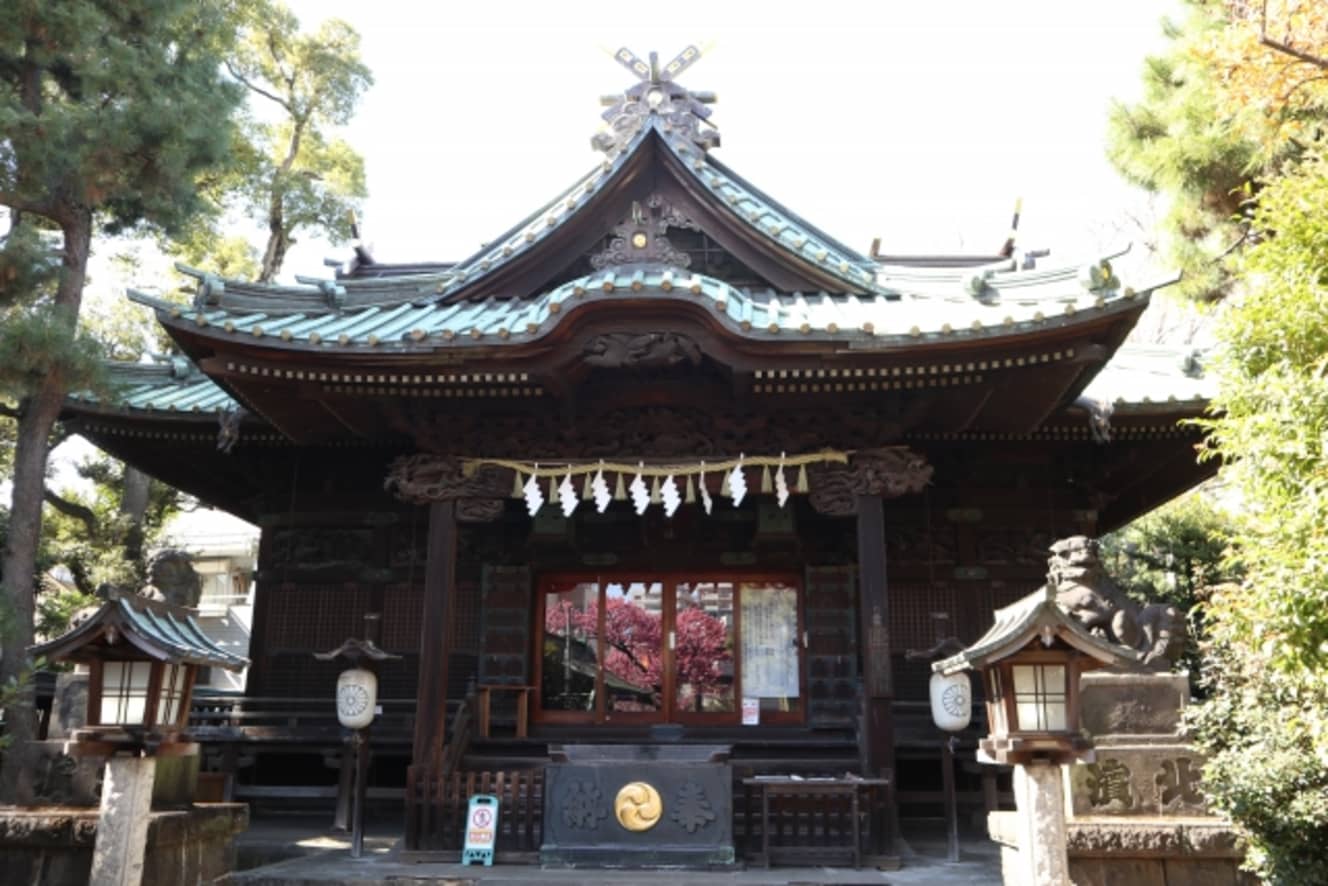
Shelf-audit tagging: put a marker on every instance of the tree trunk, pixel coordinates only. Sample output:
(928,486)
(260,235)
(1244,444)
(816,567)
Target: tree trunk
(134,505)
(41,408)
(278,235)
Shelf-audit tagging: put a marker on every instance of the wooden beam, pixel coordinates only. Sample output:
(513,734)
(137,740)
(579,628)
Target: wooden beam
(878,737)
(439,594)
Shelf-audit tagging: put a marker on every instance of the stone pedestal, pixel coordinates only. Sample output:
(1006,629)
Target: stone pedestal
(53,846)
(1137,812)
(122,826)
(643,806)
(1039,827)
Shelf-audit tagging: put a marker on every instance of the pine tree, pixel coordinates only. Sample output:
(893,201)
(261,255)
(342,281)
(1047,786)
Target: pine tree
(110,110)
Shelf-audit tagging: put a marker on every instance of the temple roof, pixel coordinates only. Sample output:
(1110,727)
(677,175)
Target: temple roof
(937,305)
(1139,378)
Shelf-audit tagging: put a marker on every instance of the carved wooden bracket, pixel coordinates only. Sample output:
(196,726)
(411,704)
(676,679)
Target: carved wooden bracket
(641,350)
(888,473)
(426,478)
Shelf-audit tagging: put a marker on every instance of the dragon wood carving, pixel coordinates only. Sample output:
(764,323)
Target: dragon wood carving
(426,478)
(888,473)
(645,350)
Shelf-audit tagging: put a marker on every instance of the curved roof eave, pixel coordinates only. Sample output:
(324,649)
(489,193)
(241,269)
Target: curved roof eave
(877,323)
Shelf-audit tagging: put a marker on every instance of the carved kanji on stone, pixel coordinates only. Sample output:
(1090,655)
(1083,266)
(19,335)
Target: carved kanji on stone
(1178,781)
(1108,785)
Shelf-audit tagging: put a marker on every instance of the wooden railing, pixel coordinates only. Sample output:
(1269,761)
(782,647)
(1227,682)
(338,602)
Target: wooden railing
(436,813)
(235,729)
(312,720)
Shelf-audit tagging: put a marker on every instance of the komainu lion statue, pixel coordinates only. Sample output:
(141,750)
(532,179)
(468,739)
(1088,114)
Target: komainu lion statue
(1085,591)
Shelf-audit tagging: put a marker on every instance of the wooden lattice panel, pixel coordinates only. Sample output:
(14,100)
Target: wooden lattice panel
(314,617)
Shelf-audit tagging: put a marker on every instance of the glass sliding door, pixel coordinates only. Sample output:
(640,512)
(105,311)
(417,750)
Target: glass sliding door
(633,637)
(770,625)
(701,649)
(570,649)
(704,675)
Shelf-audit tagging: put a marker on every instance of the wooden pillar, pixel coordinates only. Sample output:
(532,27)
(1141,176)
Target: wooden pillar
(878,735)
(439,594)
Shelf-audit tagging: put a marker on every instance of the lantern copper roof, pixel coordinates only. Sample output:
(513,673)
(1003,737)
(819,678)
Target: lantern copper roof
(1035,617)
(133,627)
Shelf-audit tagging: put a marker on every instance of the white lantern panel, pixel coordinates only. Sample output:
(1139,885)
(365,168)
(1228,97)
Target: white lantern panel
(357,694)
(951,701)
(1040,700)
(172,694)
(124,691)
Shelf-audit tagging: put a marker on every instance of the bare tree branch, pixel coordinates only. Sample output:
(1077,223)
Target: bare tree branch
(256,88)
(1287,48)
(72,509)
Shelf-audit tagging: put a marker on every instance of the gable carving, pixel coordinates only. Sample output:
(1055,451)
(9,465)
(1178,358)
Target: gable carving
(640,238)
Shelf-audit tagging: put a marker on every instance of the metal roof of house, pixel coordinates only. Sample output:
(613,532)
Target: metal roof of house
(162,632)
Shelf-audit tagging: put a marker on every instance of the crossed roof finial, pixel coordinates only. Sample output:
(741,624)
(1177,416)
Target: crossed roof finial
(656,94)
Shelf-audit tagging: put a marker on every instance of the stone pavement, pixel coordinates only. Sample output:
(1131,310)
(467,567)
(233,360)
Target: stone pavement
(325,859)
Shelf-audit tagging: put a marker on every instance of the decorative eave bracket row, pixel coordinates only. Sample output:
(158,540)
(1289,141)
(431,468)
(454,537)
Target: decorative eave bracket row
(479,488)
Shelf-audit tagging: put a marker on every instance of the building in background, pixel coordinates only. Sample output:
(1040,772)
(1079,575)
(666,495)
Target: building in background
(224,552)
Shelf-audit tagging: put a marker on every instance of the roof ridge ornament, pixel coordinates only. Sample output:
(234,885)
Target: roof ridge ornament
(658,96)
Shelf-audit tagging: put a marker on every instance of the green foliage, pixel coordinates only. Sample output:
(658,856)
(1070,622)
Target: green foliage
(1175,555)
(1203,148)
(35,340)
(94,545)
(289,172)
(29,264)
(110,107)
(1266,729)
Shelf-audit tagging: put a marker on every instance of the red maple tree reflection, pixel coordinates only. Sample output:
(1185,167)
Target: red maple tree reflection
(633,651)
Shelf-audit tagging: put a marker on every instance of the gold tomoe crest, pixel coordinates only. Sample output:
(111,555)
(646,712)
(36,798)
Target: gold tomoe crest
(638,806)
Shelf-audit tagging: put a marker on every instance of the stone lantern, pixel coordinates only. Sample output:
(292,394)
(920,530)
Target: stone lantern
(1030,662)
(143,659)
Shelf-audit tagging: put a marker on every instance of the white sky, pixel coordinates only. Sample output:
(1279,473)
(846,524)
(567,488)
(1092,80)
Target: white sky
(919,123)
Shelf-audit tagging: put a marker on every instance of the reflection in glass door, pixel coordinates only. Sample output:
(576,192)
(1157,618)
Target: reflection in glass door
(569,679)
(632,649)
(703,649)
(633,633)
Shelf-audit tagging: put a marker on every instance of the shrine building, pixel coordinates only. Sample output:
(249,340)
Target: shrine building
(663,464)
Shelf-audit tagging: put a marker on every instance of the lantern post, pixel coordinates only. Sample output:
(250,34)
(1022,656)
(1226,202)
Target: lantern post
(1030,662)
(951,710)
(357,704)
